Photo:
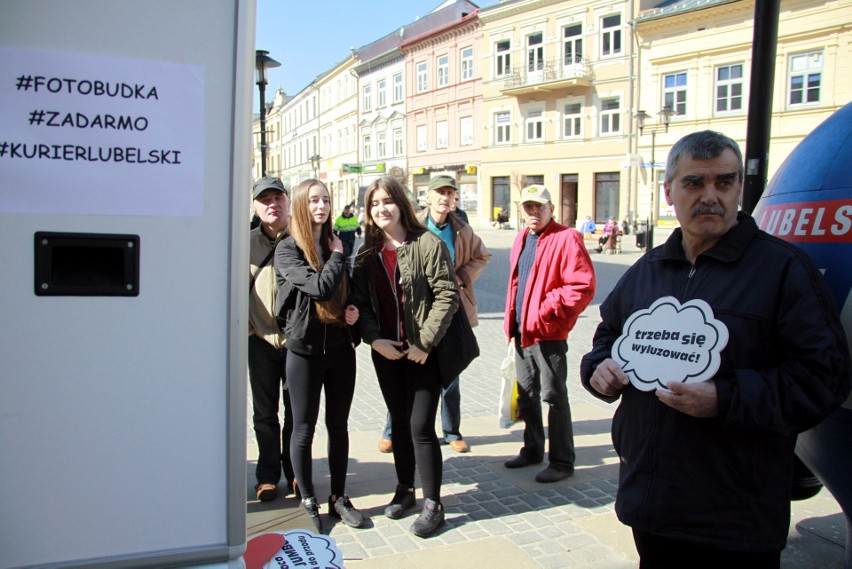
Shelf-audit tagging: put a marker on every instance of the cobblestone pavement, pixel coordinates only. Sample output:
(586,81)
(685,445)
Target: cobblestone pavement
(498,517)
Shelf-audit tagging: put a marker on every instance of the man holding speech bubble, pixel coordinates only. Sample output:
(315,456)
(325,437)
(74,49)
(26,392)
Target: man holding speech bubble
(551,281)
(722,345)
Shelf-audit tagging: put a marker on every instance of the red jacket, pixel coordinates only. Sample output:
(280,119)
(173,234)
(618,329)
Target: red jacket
(560,287)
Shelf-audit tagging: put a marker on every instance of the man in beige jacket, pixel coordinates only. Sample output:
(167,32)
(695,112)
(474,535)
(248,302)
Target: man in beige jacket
(266,353)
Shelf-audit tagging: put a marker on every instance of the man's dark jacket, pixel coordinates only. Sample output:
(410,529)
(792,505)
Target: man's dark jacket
(725,482)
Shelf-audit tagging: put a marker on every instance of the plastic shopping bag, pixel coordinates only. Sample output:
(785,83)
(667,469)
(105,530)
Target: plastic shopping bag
(509,413)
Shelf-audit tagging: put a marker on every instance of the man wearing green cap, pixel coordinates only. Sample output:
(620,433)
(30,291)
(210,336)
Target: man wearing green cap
(551,281)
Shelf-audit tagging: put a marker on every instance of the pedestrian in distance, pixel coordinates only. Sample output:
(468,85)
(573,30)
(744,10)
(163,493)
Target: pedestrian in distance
(588,227)
(469,256)
(313,292)
(346,226)
(706,466)
(551,281)
(407,294)
(267,355)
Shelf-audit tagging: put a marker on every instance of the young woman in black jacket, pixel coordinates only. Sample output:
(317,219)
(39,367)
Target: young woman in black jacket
(313,283)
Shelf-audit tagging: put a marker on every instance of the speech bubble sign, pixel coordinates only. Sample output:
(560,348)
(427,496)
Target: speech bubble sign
(670,341)
(306,549)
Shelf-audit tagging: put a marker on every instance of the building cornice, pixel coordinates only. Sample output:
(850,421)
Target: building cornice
(689,8)
(457,28)
(513,8)
(379,62)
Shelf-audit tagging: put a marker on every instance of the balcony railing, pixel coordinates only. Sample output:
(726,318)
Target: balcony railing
(549,75)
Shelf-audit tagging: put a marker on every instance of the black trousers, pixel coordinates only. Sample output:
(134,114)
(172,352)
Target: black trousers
(307,377)
(412,392)
(267,378)
(657,552)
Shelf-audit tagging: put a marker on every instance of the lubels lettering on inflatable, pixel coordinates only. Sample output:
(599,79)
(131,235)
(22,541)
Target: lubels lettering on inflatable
(809,203)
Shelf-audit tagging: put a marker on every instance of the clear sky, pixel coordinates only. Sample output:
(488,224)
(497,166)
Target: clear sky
(309,36)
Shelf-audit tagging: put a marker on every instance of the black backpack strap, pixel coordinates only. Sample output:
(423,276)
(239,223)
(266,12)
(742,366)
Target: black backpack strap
(260,268)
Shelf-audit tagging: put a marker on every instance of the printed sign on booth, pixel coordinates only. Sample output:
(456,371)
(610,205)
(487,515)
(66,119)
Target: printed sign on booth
(670,342)
(100,135)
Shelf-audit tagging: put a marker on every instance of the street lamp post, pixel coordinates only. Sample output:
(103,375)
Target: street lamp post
(666,117)
(262,62)
(315,163)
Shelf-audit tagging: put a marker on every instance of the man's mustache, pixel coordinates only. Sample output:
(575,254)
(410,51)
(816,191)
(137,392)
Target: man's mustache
(712,209)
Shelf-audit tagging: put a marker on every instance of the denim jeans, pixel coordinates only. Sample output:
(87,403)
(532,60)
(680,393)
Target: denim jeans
(542,373)
(267,378)
(450,414)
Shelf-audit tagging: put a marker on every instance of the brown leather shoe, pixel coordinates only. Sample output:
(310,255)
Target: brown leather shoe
(385,446)
(266,492)
(459,445)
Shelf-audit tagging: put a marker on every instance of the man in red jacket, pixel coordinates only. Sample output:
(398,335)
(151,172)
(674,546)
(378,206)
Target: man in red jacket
(551,281)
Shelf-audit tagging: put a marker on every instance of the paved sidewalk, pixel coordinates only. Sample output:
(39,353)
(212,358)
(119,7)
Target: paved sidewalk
(498,517)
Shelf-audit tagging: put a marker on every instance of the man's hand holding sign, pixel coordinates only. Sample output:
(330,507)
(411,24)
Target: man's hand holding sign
(671,348)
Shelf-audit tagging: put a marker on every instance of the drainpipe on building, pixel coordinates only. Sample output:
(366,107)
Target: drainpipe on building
(632,185)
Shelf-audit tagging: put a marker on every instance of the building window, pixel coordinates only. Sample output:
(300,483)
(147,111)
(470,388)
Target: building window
(397,142)
(368,147)
(610,116)
(501,193)
(503,127)
(466,131)
(467,63)
(398,90)
(535,125)
(421,138)
(381,145)
(381,93)
(535,52)
(729,88)
(611,35)
(805,78)
(674,92)
(502,58)
(441,134)
(572,120)
(443,71)
(421,77)
(607,193)
(368,97)
(572,44)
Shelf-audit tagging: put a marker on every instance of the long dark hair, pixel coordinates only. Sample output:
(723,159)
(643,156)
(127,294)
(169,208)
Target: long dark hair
(301,228)
(373,235)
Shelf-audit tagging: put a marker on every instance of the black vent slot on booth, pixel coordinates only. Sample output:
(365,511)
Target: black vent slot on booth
(86,264)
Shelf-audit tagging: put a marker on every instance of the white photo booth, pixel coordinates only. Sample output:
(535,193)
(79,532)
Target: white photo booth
(124,180)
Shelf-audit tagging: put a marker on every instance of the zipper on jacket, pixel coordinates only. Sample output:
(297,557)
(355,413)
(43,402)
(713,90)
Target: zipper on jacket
(393,289)
(692,270)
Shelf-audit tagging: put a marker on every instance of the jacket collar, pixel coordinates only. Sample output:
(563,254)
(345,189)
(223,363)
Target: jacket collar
(452,219)
(730,247)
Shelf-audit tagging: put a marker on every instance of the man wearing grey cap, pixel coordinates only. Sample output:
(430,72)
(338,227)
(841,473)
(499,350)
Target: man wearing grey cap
(266,352)
(551,281)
